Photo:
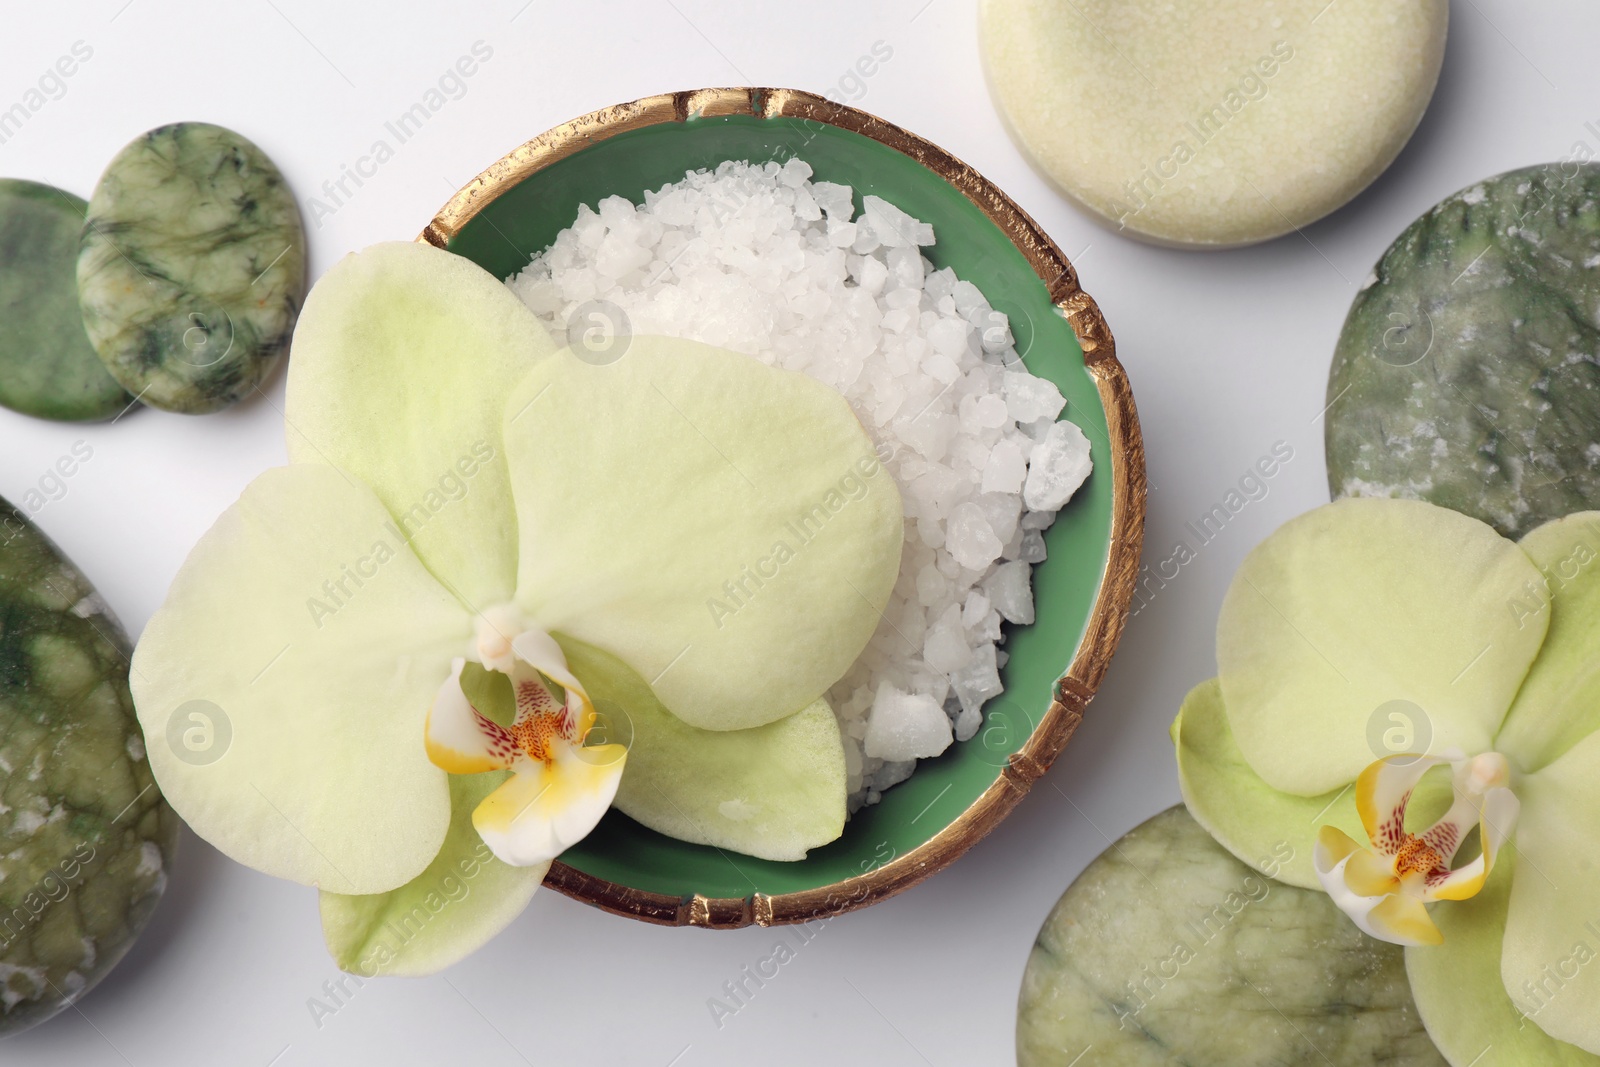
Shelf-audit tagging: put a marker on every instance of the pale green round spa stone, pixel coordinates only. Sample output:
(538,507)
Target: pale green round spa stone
(192,267)
(85,836)
(1212,123)
(48,369)
(1167,950)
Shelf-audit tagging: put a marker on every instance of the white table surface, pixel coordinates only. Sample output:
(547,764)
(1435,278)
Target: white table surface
(1228,353)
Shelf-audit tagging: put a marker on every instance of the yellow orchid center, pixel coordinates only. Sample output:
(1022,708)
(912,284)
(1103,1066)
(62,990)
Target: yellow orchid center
(1386,888)
(559,787)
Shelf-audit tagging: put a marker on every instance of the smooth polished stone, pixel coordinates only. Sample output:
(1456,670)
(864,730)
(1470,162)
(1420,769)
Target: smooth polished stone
(85,836)
(47,366)
(1211,123)
(1468,370)
(192,267)
(1168,950)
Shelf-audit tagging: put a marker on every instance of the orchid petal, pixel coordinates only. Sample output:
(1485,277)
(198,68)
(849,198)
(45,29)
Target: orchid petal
(1334,846)
(1368,874)
(1459,994)
(1553,920)
(316,640)
(1273,831)
(772,791)
(464,898)
(721,526)
(462,740)
(1360,603)
(1401,920)
(1383,792)
(1498,817)
(1367,897)
(1559,704)
(546,807)
(401,363)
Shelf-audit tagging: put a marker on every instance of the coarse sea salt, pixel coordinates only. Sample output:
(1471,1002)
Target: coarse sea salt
(760,259)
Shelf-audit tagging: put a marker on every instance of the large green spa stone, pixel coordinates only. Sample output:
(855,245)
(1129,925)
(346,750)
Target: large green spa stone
(47,366)
(85,836)
(1468,370)
(192,267)
(1167,950)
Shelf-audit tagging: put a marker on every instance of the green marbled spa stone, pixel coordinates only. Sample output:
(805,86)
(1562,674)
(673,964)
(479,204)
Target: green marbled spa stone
(47,366)
(1468,370)
(192,267)
(1167,950)
(85,836)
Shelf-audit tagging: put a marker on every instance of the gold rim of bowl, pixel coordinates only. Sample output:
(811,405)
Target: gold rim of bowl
(1073,690)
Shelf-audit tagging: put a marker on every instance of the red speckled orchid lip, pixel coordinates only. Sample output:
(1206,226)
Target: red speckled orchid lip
(1386,888)
(558,790)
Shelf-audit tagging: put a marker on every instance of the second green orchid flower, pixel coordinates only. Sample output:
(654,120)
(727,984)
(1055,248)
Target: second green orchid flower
(1488,651)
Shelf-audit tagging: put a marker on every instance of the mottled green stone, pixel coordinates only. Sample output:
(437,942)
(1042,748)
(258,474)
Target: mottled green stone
(47,366)
(1167,950)
(1468,370)
(85,836)
(192,267)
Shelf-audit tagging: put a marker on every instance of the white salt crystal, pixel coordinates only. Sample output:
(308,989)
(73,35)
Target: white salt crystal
(937,491)
(973,611)
(1058,465)
(1013,549)
(1010,589)
(987,632)
(1005,469)
(971,539)
(945,647)
(968,721)
(992,412)
(941,368)
(978,680)
(833,198)
(906,230)
(1032,547)
(1001,511)
(794,173)
(905,267)
(968,297)
(873,275)
(949,337)
(905,726)
(805,206)
(1029,399)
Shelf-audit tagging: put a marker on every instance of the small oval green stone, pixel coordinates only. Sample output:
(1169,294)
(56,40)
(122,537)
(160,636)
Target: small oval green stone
(192,267)
(1168,950)
(85,836)
(1468,370)
(47,366)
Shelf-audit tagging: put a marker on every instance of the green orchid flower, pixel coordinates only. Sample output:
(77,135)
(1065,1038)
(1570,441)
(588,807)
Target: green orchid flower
(1388,665)
(482,548)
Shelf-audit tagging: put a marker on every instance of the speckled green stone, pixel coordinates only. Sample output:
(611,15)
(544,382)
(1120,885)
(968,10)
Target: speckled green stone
(1468,370)
(1167,950)
(192,267)
(47,366)
(85,837)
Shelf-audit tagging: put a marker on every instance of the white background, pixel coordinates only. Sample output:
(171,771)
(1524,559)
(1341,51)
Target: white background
(1228,354)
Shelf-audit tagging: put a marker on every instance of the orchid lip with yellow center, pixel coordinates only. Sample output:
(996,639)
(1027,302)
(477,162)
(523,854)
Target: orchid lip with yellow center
(1386,888)
(559,788)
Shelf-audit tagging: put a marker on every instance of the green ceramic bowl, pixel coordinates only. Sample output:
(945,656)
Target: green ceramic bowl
(517,207)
